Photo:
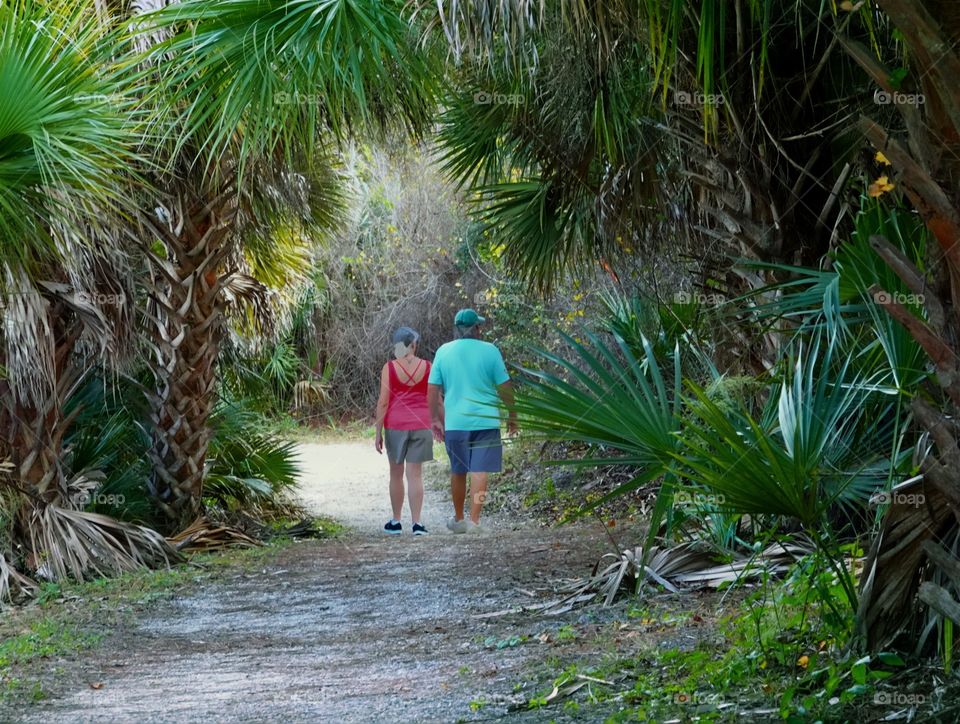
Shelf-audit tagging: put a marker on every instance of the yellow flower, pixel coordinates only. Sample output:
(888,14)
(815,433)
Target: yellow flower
(879,187)
(803,661)
(881,158)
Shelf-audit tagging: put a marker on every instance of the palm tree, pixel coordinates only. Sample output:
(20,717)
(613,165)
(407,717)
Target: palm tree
(246,91)
(68,134)
(642,125)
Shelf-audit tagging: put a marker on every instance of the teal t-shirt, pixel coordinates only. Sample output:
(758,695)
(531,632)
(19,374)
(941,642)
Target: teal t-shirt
(469,370)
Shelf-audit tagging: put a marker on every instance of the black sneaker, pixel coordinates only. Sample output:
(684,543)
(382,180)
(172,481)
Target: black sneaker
(419,529)
(393,527)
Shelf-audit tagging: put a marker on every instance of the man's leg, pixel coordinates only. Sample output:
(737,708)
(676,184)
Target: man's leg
(458,452)
(458,491)
(396,489)
(478,494)
(415,487)
(486,456)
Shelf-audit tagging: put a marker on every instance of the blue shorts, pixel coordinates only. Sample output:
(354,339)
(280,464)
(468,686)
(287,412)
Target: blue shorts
(474,451)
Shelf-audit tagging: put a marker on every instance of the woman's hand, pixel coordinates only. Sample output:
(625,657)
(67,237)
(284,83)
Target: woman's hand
(378,442)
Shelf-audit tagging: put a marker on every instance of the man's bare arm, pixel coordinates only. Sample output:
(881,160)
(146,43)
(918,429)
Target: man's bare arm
(506,394)
(436,410)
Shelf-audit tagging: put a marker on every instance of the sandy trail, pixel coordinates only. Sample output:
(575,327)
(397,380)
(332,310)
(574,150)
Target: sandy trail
(349,481)
(362,628)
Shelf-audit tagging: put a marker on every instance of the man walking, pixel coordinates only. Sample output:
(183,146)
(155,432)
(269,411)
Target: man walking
(471,375)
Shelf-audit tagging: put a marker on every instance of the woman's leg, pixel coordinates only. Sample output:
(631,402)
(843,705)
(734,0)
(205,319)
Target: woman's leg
(396,489)
(415,486)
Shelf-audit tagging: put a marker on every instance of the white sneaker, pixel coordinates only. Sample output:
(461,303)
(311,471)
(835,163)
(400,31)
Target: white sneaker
(458,526)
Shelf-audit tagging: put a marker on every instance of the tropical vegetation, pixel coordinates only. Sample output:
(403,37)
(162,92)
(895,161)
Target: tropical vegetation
(731,229)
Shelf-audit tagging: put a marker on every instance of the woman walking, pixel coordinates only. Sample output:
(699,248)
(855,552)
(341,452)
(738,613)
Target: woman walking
(403,423)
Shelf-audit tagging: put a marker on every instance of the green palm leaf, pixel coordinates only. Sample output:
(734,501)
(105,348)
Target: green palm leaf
(67,124)
(782,464)
(283,71)
(623,405)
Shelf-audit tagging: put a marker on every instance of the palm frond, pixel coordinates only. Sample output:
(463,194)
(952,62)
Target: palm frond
(283,72)
(549,234)
(76,544)
(621,404)
(68,125)
(248,465)
(780,464)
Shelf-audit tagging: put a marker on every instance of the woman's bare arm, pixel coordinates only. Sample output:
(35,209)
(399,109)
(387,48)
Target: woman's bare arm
(382,402)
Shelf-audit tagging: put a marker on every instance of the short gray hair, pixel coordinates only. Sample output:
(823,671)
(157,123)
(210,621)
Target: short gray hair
(466,332)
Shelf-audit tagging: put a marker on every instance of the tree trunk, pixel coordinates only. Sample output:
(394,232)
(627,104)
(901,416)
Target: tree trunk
(187,310)
(34,425)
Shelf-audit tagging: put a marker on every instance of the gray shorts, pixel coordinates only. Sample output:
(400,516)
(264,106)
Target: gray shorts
(411,446)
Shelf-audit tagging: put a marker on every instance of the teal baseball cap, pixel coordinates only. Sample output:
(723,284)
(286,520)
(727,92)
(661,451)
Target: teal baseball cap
(468,318)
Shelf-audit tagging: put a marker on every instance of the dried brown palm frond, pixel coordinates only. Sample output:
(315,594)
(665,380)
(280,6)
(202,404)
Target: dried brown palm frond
(310,392)
(689,565)
(204,535)
(894,568)
(96,270)
(76,544)
(14,586)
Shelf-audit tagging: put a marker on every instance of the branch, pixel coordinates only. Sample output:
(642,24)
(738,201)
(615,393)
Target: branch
(911,276)
(943,559)
(938,350)
(880,75)
(940,601)
(932,49)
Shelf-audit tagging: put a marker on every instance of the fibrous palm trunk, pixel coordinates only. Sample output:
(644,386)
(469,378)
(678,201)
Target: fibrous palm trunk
(187,311)
(52,537)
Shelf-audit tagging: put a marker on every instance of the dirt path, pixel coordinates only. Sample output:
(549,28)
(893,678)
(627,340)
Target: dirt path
(348,481)
(363,628)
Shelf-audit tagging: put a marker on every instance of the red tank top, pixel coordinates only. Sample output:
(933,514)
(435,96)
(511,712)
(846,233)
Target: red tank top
(407,408)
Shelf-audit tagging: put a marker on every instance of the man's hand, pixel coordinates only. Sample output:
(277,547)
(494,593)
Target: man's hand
(378,442)
(437,429)
(512,428)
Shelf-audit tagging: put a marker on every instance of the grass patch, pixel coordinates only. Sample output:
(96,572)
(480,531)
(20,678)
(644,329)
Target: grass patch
(776,656)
